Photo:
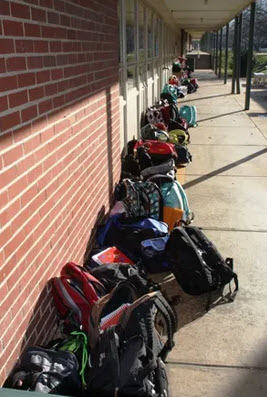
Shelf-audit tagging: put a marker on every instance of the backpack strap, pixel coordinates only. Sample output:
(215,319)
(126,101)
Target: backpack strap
(230,262)
(170,320)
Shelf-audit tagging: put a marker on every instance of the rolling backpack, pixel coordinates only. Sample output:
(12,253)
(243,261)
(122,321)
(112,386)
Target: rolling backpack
(125,367)
(140,198)
(74,294)
(190,114)
(196,262)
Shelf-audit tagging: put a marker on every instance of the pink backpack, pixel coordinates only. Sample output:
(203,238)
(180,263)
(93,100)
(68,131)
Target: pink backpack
(74,294)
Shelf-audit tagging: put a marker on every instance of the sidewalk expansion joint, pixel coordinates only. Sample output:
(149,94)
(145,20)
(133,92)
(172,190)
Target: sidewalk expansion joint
(221,366)
(230,229)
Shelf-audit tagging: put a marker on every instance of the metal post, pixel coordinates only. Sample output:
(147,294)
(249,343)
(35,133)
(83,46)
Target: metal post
(216,52)
(238,54)
(220,63)
(226,53)
(250,53)
(182,42)
(234,56)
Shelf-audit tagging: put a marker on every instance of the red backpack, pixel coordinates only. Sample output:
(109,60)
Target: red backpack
(157,150)
(74,294)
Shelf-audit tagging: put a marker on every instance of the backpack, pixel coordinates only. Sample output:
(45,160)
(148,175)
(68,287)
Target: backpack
(125,367)
(190,114)
(74,294)
(178,137)
(153,115)
(136,316)
(140,198)
(46,371)
(153,255)
(110,274)
(169,92)
(184,156)
(174,196)
(196,263)
(129,166)
(164,171)
(127,235)
(158,151)
(150,132)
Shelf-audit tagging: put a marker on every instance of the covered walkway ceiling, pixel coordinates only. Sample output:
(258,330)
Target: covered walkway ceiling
(200,16)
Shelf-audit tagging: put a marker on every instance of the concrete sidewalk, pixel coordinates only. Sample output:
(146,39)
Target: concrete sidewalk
(223,352)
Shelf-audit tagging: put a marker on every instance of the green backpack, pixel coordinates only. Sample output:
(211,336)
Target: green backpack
(189,113)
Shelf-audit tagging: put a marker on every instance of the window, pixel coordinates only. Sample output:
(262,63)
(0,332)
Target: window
(149,33)
(130,30)
(156,36)
(141,32)
(131,77)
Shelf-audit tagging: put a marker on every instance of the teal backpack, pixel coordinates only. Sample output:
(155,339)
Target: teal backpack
(169,92)
(174,196)
(189,113)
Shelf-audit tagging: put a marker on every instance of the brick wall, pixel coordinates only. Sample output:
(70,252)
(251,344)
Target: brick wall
(60,150)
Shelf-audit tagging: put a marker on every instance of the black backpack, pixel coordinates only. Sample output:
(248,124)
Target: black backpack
(196,263)
(184,156)
(125,367)
(47,371)
(110,274)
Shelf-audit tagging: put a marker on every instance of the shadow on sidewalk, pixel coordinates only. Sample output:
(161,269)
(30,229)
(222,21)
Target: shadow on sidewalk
(220,115)
(223,169)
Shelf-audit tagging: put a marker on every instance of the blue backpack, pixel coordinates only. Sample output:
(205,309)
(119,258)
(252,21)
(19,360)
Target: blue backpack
(127,236)
(189,113)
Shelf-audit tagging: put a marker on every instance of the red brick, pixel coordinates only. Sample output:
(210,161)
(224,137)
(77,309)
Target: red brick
(3,103)
(9,213)
(51,89)
(23,46)
(2,65)
(15,63)
(53,17)
(35,62)
(55,46)
(3,200)
(7,177)
(12,155)
(6,46)
(20,11)
(46,3)
(40,46)
(10,248)
(12,28)
(38,15)
(4,7)
(56,74)
(36,93)
(32,30)
(17,99)
(16,189)
(29,113)
(45,106)
(43,76)
(26,79)
(49,61)
(9,121)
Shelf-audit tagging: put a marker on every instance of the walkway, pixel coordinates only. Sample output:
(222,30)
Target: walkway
(224,353)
